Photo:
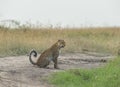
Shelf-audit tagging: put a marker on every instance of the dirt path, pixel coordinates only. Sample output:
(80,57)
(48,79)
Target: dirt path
(18,72)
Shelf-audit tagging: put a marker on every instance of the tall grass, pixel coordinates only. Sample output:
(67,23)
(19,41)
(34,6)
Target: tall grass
(21,41)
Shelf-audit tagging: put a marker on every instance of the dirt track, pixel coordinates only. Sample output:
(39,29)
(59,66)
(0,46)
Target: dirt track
(18,72)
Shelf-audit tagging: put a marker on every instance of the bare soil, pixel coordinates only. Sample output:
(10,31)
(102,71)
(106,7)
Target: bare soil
(19,72)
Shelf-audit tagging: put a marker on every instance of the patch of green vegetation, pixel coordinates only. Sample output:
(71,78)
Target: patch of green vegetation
(107,76)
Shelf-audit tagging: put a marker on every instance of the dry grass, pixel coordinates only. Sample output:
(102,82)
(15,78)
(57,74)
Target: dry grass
(21,41)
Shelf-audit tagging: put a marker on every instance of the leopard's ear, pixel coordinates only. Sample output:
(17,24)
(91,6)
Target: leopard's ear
(60,40)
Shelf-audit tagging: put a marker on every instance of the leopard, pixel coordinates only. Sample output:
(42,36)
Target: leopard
(50,54)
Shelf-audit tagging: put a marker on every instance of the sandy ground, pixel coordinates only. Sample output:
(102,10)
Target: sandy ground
(18,72)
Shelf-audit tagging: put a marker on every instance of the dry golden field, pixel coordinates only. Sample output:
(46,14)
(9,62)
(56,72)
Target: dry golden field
(21,41)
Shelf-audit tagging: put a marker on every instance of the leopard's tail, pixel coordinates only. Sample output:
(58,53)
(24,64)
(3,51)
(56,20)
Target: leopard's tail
(32,53)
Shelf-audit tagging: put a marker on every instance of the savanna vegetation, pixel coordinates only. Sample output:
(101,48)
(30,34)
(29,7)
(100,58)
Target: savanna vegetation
(21,41)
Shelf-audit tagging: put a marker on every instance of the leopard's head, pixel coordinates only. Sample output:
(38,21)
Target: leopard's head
(61,43)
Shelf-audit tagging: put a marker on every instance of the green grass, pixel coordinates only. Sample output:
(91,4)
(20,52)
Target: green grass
(21,41)
(108,76)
